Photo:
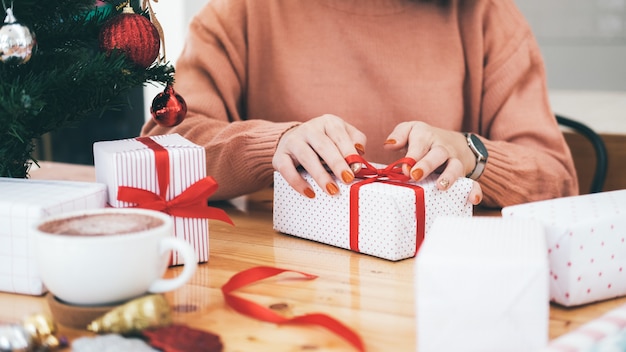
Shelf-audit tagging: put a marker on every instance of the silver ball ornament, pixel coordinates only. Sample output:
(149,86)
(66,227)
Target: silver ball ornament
(17,41)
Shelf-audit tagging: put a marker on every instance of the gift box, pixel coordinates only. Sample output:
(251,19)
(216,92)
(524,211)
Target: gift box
(24,203)
(379,217)
(586,244)
(604,334)
(165,173)
(482,285)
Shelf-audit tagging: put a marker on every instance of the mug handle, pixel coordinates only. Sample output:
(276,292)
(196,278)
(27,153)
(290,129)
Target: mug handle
(191,263)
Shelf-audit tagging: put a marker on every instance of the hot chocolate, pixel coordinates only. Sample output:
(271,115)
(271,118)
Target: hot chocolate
(101,224)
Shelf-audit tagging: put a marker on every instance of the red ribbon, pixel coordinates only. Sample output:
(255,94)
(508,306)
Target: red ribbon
(191,203)
(259,312)
(392,174)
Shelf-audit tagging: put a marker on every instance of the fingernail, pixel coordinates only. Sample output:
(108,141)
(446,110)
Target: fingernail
(390,141)
(346,176)
(417,174)
(477,199)
(355,167)
(309,193)
(359,148)
(444,183)
(332,189)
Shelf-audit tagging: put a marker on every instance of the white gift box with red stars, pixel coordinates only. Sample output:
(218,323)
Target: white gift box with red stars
(389,224)
(586,238)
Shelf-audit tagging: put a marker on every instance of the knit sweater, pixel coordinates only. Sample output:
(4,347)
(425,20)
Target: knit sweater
(251,69)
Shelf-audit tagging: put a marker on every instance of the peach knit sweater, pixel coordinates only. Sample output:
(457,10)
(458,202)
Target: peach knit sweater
(251,69)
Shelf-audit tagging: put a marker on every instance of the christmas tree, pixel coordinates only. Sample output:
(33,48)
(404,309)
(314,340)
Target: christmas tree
(76,70)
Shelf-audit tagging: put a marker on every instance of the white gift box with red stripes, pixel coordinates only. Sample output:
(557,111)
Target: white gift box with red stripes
(586,237)
(145,161)
(604,334)
(384,219)
(25,202)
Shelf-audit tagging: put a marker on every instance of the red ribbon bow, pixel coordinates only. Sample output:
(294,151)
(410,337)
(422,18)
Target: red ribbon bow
(392,174)
(393,171)
(257,311)
(191,203)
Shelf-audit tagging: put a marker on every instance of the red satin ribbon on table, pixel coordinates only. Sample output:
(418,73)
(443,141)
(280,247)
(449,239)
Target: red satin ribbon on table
(191,203)
(391,174)
(259,312)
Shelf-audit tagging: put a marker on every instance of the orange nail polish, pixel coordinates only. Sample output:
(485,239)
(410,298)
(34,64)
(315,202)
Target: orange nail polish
(346,176)
(359,148)
(309,193)
(417,174)
(391,141)
(332,189)
(477,200)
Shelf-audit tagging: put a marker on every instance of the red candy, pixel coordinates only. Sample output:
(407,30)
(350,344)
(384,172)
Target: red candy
(181,338)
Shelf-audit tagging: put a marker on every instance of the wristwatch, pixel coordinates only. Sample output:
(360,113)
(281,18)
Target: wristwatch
(478,148)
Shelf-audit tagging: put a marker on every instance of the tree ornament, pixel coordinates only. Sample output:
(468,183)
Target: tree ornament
(168,108)
(17,41)
(132,34)
(151,311)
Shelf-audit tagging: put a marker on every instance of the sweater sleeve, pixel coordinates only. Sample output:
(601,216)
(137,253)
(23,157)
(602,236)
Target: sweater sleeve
(529,159)
(211,76)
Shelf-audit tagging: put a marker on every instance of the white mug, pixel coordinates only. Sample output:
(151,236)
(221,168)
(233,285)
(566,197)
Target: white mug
(97,266)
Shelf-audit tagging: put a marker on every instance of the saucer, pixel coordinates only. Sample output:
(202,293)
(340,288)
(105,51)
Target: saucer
(77,317)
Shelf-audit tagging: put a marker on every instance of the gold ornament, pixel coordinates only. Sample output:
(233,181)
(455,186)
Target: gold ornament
(42,329)
(151,311)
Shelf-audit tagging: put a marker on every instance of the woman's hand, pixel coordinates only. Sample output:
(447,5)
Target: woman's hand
(323,140)
(436,150)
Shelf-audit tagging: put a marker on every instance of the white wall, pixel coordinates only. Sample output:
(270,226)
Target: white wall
(583,41)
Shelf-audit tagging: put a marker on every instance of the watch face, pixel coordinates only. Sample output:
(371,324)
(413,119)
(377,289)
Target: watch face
(480,147)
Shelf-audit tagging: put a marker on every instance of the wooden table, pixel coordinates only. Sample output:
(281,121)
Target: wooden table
(373,296)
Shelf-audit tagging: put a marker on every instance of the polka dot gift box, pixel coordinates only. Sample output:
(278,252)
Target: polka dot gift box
(586,238)
(386,219)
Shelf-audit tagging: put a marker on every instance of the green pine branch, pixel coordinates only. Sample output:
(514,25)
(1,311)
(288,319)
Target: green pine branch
(67,80)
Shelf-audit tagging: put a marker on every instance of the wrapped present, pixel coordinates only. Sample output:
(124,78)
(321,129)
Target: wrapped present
(165,173)
(25,202)
(604,334)
(482,285)
(382,214)
(586,237)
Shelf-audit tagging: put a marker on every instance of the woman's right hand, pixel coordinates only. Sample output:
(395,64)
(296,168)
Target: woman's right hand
(324,140)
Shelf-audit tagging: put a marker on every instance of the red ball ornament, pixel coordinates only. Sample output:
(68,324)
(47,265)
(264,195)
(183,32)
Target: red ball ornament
(132,34)
(168,108)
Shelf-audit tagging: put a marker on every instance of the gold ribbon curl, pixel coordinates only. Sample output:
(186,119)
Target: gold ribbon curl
(146,4)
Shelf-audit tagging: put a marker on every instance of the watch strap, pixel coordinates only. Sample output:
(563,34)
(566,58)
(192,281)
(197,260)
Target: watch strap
(480,153)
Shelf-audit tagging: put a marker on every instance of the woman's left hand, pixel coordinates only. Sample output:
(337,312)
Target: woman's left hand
(435,150)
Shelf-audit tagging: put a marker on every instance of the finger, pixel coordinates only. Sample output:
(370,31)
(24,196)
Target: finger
(433,159)
(285,166)
(340,140)
(476,194)
(328,151)
(311,162)
(452,171)
(399,137)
